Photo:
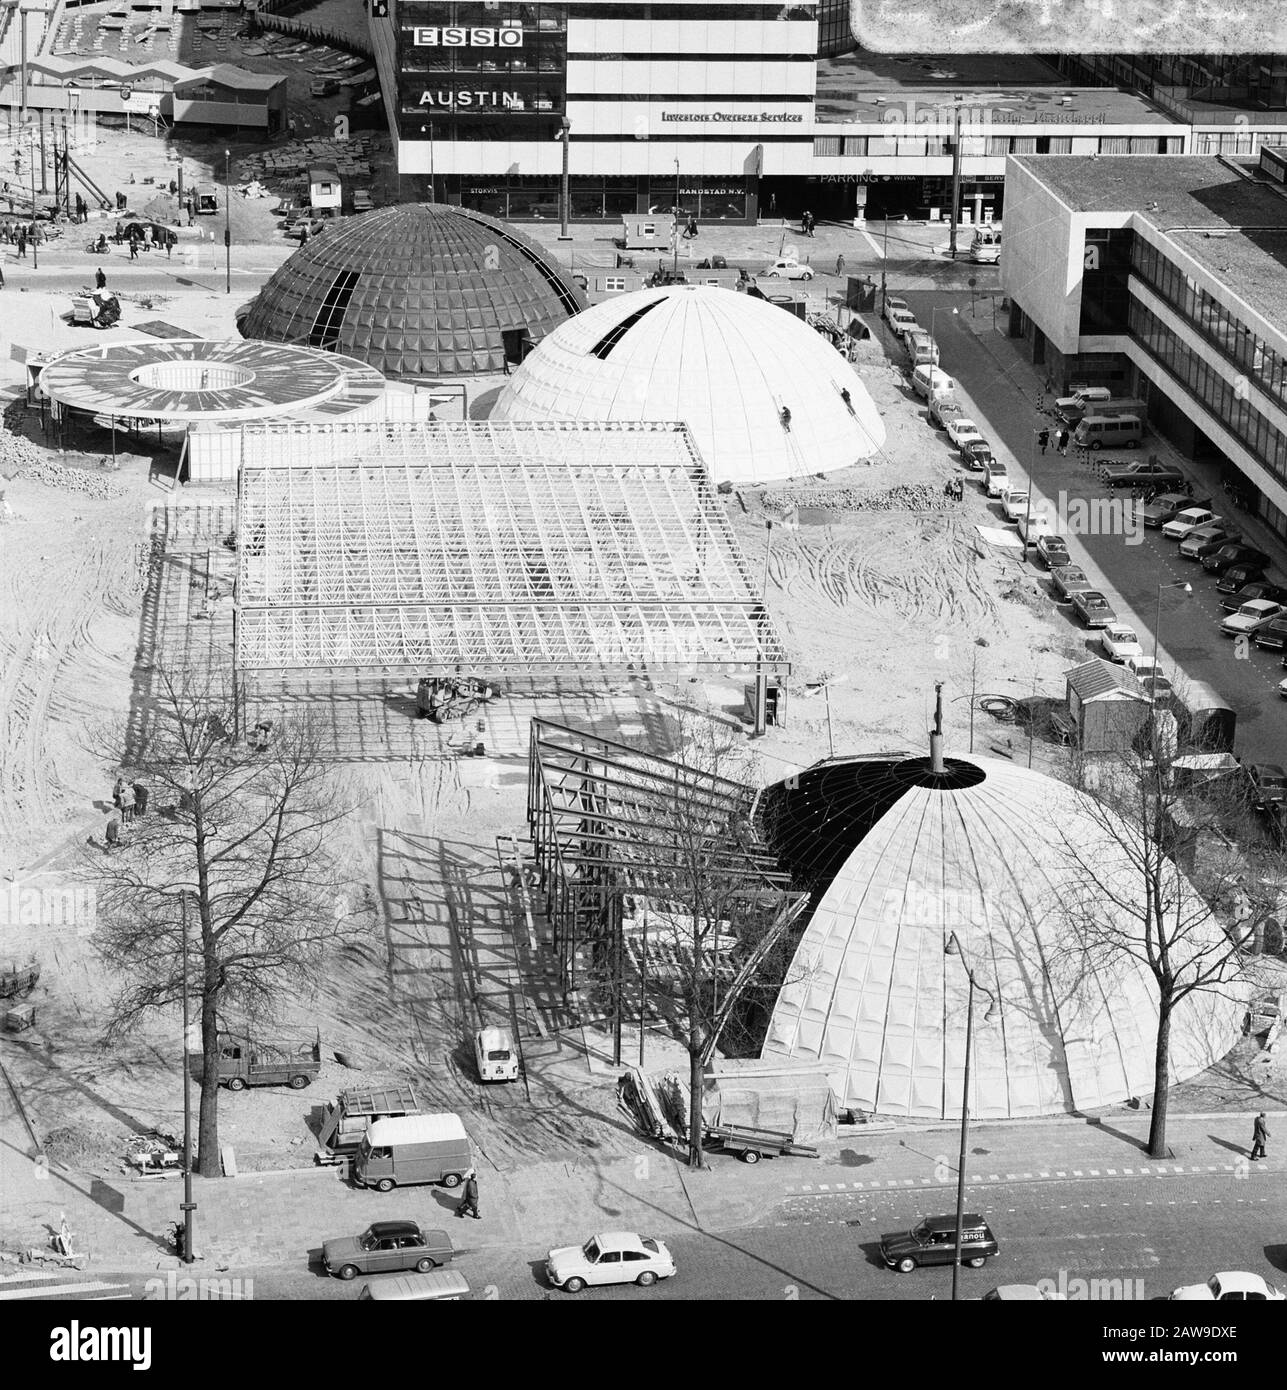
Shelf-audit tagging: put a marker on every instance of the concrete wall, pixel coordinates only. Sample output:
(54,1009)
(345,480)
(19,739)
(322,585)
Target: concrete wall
(1042,257)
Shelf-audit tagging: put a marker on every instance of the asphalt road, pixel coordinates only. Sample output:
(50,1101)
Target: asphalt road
(1003,393)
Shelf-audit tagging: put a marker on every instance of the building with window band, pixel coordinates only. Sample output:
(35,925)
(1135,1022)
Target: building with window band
(1164,279)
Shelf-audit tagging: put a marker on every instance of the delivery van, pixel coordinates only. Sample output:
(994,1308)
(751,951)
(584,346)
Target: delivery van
(442,1286)
(1109,432)
(496,1055)
(413,1149)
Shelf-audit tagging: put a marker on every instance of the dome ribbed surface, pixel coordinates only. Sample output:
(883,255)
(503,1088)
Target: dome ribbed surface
(723,363)
(982,850)
(415,290)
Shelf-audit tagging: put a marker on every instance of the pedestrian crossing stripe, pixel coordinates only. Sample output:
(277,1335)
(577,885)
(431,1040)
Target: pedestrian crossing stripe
(107,1291)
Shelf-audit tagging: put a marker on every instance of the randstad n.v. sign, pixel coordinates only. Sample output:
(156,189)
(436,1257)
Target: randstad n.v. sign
(436,36)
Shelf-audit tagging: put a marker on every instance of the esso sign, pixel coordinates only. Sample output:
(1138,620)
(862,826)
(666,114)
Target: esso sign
(437,37)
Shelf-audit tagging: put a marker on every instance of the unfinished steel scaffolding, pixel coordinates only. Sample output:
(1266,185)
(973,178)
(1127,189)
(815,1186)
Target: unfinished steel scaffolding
(502,549)
(614,827)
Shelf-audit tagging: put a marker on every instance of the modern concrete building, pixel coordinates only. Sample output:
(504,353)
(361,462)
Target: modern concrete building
(1164,279)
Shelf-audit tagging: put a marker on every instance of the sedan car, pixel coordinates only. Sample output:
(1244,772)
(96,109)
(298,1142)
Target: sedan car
(612,1257)
(976,454)
(1156,685)
(1093,608)
(1187,520)
(1161,509)
(1148,474)
(995,478)
(1069,580)
(1254,588)
(1234,553)
(1272,636)
(933,1242)
(387,1246)
(902,321)
(1054,552)
(1120,642)
(789,270)
(893,304)
(1239,577)
(1233,1286)
(1206,540)
(1014,503)
(1250,616)
(960,429)
(942,409)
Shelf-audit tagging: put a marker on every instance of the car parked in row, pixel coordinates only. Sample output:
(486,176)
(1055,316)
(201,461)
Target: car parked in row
(1152,473)
(976,454)
(932,1241)
(1255,588)
(1053,550)
(960,430)
(931,382)
(1120,642)
(1068,580)
(1093,608)
(1206,540)
(1189,519)
(1273,636)
(1234,553)
(1015,502)
(995,478)
(1253,614)
(1162,509)
(895,305)
(1157,685)
(1238,577)
(943,408)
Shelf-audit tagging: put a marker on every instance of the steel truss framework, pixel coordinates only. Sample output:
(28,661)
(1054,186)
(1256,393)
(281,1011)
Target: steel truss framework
(507,548)
(607,820)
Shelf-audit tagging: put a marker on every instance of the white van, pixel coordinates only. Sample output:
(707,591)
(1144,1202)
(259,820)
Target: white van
(441,1286)
(921,348)
(1109,432)
(931,381)
(413,1149)
(496,1055)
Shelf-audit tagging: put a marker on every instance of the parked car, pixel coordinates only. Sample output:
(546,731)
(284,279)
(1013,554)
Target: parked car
(1272,636)
(893,304)
(1207,539)
(1230,1287)
(929,380)
(1093,608)
(1234,553)
(901,321)
(1033,527)
(1268,784)
(933,1242)
(976,454)
(1189,519)
(1068,580)
(1144,474)
(921,348)
(995,478)
(387,1246)
(323,87)
(1239,577)
(1015,502)
(1250,616)
(960,429)
(783,269)
(1120,642)
(1053,551)
(1156,684)
(1253,588)
(1161,509)
(614,1257)
(943,408)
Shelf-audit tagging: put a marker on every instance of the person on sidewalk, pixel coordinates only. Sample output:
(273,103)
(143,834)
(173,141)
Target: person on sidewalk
(22,246)
(1043,439)
(469,1202)
(100,279)
(1259,1137)
(840,265)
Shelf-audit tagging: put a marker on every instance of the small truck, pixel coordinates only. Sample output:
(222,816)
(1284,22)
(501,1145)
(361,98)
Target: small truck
(244,1063)
(345,1121)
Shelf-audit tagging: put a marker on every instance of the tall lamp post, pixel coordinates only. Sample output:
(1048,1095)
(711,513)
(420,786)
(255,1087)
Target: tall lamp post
(227,221)
(952,947)
(956,176)
(565,135)
(1157,620)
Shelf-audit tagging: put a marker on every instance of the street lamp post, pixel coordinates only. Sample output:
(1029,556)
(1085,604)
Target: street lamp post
(952,947)
(565,134)
(227,221)
(956,176)
(1157,623)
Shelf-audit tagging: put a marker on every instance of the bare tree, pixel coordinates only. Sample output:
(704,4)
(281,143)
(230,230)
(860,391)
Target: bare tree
(1151,883)
(233,864)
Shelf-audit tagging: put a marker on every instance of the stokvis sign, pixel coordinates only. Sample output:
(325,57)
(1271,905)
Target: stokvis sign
(435,36)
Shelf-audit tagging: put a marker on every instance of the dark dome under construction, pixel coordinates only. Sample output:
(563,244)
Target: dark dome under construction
(416,290)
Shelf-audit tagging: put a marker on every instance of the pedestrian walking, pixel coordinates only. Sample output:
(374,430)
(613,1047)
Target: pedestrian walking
(1043,439)
(169,244)
(469,1202)
(773,204)
(117,788)
(134,248)
(840,265)
(140,798)
(1062,442)
(100,279)
(127,804)
(1259,1137)
(22,246)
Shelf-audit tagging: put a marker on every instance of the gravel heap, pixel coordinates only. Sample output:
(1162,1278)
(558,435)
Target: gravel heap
(86,1148)
(54,474)
(902,497)
(17,452)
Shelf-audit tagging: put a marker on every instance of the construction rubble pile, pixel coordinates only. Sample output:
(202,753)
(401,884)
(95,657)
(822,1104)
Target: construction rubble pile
(17,452)
(903,497)
(54,474)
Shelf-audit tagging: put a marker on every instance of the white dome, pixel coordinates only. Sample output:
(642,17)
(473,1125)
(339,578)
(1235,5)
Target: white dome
(723,363)
(874,1000)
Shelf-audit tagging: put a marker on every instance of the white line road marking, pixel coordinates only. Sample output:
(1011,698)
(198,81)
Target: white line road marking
(64,1291)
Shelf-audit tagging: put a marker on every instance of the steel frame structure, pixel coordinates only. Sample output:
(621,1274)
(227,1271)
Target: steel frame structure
(520,549)
(604,823)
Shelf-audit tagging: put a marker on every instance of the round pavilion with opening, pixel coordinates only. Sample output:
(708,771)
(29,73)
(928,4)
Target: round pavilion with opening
(765,396)
(1032,880)
(417,290)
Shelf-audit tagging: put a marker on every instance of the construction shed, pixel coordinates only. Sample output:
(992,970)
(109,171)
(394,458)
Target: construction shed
(1107,705)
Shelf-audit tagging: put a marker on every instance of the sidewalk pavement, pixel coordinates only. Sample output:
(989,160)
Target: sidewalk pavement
(278,1218)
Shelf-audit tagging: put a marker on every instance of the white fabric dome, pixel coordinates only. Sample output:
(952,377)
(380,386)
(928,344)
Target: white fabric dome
(723,363)
(873,999)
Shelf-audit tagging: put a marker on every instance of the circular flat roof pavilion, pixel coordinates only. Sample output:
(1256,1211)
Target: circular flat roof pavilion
(190,380)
